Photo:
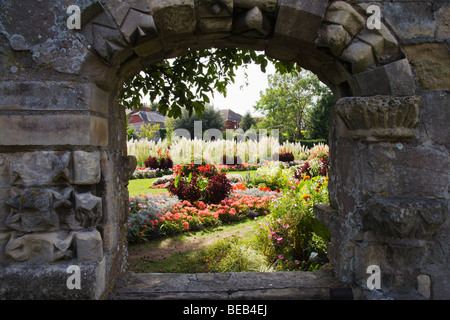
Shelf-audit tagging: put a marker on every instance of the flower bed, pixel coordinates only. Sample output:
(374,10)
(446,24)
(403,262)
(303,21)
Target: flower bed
(154,216)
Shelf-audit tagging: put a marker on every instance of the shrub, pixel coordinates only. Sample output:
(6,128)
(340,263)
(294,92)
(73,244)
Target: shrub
(289,236)
(272,176)
(284,156)
(186,189)
(151,162)
(218,188)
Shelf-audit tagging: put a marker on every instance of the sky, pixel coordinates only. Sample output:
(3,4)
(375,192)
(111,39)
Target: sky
(241,97)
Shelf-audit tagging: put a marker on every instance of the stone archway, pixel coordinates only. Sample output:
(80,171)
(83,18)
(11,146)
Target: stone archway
(64,168)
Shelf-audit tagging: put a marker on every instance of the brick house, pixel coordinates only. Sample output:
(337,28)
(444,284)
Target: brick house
(232,119)
(138,118)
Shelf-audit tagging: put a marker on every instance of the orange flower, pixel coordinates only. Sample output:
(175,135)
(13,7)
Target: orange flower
(306,177)
(306,197)
(326,179)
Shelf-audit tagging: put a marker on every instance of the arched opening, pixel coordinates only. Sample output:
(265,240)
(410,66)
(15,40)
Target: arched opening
(382,134)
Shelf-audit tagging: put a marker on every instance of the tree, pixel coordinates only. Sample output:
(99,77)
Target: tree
(247,121)
(185,82)
(286,101)
(211,119)
(318,119)
(149,131)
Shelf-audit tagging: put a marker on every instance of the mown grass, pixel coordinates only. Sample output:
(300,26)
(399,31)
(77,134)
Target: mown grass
(196,260)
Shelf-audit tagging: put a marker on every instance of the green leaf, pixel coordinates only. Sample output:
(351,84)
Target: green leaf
(320,229)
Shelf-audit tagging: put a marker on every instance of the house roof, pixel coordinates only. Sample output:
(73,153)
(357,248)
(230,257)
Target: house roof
(230,115)
(150,116)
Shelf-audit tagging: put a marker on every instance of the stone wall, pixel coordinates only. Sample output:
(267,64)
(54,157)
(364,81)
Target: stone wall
(63,163)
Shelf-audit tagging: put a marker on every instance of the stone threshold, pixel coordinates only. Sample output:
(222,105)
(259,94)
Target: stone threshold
(288,285)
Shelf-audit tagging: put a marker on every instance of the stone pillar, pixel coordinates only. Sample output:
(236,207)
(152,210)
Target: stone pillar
(389,194)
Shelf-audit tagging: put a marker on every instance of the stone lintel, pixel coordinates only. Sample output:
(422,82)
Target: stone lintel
(45,130)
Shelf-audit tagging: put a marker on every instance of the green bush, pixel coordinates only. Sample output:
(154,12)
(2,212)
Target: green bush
(289,236)
(273,176)
(311,143)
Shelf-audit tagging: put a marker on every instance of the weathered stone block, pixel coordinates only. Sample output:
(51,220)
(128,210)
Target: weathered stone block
(410,20)
(399,169)
(53,130)
(434,115)
(49,247)
(40,168)
(215,9)
(121,9)
(334,37)
(89,245)
(335,72)
(395,78)
(34,210)
(265,5)
(101,34)
(431,63)
(5,210)
(52,96)
(88,210)
(174,17)
(216,25)
(360,55)
(138,27)
(5,171)
(406,217)
(253,19)
(49,281)
(300,20)
(424,285)
(4,238)
(86,167)
(149,47)
(380,117)
(342,13)
(442,17)
(382,41)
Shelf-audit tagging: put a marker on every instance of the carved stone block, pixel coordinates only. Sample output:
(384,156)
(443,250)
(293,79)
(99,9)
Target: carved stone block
(86,167)
(300,19)
(380,117)
(406,217)
(138,27)
(174,18)
(252,20)
(34,210)
(340,12)
(264,5)
(40,168)
(360,55)
(215,9)
(88,210)
(395,78)
(49,247)
(334,37)
(89,245)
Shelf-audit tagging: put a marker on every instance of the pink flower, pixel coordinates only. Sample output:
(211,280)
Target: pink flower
(186,225)
(280,257)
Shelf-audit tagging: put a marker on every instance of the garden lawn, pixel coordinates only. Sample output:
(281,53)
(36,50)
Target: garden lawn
(143,186)
(180,253)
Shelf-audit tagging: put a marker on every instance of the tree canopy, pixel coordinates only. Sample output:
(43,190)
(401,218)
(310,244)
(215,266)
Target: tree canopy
(211,119)
(286,101)
(186,81)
